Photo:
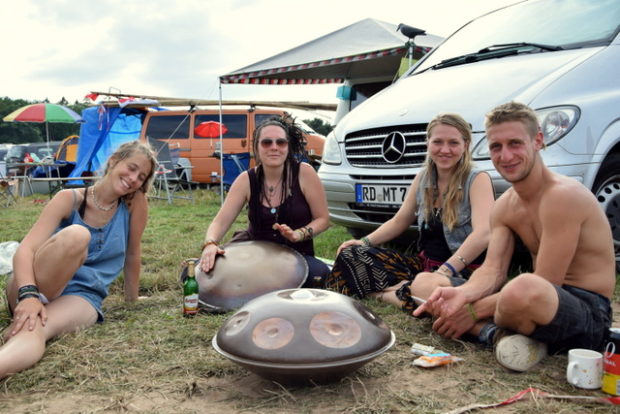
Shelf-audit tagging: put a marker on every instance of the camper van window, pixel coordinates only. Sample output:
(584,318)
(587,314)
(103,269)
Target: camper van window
(363,91)
(237,124)
(260,118)
(162,127)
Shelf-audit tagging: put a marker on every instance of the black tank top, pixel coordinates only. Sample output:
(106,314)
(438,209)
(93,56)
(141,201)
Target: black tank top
(294,211)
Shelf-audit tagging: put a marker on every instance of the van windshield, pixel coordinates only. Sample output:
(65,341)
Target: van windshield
(564,24)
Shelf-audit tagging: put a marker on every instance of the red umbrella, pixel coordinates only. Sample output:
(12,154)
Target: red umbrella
(210,129)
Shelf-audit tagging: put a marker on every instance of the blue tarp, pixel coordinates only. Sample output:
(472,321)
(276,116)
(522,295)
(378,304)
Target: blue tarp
(103,131)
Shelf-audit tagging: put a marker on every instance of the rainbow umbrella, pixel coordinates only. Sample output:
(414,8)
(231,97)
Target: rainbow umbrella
(44,112)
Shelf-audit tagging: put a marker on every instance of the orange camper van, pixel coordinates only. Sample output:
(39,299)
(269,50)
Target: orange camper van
(177,128)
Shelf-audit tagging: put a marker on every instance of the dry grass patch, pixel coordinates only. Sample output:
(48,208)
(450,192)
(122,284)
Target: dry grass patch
(147,358)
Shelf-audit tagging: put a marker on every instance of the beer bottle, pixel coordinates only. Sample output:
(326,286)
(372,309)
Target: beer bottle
(190,291)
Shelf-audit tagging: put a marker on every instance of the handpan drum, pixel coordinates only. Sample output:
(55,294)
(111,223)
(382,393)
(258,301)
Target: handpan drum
(301,336)
(248,270)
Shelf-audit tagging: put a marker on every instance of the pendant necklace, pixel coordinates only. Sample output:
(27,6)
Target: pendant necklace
(99,206)
(271,189)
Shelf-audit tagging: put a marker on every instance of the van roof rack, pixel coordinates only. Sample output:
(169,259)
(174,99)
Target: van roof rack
(168,101)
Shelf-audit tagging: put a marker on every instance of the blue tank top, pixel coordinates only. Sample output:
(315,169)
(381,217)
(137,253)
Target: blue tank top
(106,256)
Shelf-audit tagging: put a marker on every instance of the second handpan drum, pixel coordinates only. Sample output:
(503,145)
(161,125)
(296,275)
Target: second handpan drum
(302,336)
(248,270)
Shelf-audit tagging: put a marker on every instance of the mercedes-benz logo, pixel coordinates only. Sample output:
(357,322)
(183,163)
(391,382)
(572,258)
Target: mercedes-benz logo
(393,147)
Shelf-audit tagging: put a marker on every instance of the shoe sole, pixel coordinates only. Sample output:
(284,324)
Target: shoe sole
(519,353)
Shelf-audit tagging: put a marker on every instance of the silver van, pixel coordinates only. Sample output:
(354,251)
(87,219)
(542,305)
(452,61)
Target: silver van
(561,57)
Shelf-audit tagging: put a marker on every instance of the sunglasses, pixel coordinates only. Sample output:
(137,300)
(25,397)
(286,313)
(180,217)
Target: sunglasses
(268,142)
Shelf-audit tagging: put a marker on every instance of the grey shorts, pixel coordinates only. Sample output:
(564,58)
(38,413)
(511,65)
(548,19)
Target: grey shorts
(582,321)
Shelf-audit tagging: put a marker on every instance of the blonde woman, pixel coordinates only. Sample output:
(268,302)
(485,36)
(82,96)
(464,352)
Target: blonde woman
(81,242)
(450,201)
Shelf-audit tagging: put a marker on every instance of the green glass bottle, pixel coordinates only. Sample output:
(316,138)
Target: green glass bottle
(190,291)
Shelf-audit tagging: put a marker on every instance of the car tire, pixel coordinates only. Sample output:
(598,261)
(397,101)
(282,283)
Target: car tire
(607,191)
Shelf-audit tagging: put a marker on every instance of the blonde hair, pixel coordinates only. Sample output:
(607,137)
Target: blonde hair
(513,111)
(454,194)
(127,150)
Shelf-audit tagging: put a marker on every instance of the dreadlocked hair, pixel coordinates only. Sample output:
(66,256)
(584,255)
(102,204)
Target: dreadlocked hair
(453,196)
(296,151)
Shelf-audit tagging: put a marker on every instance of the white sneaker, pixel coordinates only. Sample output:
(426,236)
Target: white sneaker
(518,352)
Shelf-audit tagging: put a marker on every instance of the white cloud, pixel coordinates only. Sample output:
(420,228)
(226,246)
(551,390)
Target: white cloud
(57,48)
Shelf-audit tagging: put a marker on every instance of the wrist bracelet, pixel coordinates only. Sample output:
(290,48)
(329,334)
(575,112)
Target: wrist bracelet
(366,241)
(472,313)
(310,232)
(462,260)
(28,295)
(208,242)
(302,235)
(450,267)
(27,289)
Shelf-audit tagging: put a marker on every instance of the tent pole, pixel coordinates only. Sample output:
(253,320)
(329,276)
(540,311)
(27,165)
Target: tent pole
(221,149)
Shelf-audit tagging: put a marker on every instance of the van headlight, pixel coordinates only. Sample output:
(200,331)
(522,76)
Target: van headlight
(331,150)
(554,122)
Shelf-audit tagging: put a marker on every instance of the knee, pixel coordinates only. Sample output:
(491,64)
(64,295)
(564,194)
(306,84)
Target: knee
(425,282)
(73,240)
(520,293)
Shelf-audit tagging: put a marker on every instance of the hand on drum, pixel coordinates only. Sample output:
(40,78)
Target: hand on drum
(287,232)
(207,258)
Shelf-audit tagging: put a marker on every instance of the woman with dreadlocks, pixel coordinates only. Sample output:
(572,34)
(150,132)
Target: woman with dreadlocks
(286,200)
(450,201)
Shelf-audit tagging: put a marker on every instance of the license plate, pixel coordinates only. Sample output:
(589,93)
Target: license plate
(380,194)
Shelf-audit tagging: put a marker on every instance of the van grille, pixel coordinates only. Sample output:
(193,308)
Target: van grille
(366,148)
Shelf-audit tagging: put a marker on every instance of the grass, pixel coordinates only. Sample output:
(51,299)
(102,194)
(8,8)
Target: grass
(147,358)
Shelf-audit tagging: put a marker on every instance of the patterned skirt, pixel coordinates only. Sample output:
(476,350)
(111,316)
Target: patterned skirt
(361,270)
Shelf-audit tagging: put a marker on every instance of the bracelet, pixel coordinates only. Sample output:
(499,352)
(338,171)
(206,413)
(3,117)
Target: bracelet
(472,313)
(28,295)
(310,232)
(27,289)
(366,241)
(302,234)
(450,267)
(208,242)
(462,260)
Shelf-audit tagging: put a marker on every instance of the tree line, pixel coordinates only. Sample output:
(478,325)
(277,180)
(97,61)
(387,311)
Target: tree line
(29,132)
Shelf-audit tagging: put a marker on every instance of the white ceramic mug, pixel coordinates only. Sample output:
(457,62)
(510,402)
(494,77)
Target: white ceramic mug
(585,368)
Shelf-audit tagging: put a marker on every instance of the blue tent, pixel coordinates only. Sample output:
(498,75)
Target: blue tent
(104,129)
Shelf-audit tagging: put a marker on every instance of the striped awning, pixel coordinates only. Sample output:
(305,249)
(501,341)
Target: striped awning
(366,49)
(300,74)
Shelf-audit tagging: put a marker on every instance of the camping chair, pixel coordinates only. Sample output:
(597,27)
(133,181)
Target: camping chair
(171,179)
(6,191)
(234,164)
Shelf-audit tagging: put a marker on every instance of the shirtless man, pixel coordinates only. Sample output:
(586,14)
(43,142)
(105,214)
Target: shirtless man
(565,302)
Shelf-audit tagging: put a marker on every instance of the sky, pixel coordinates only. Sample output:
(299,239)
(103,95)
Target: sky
(179,48)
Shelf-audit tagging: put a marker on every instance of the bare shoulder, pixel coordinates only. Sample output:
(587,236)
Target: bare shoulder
(67,199)
(138,203)
(306,170)
(566,191)
(506,203)
(307,175)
